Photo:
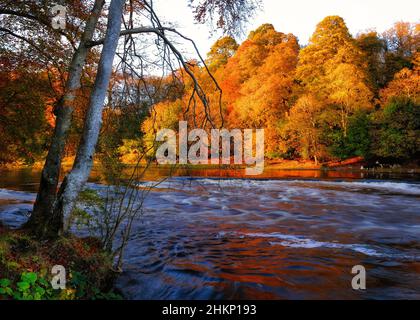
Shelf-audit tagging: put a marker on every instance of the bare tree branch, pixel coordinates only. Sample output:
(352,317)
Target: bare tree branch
(31,43)
(42,20)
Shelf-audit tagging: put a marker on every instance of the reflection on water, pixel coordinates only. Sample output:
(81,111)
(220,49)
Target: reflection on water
(283,238)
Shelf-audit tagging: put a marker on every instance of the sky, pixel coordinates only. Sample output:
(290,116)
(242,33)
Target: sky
(299,17)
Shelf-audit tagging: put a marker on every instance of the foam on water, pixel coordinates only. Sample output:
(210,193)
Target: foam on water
(6,194)
(294,241)
(399,187)
(388,186)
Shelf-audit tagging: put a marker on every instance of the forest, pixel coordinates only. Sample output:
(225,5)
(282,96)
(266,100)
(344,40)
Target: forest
(340,96)
(85,87)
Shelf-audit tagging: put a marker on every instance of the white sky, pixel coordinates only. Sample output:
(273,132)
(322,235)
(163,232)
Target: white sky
(299,17)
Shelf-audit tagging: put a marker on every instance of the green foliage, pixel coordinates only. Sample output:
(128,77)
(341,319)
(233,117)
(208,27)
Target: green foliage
(357,141)
(374,49)
(26,264)
(5,289)
(397,130)
(121,125)
(84,288)
(91,197)
(394,63)
(30,287)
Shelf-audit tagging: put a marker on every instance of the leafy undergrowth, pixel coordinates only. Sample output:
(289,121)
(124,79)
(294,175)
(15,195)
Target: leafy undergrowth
(26,268)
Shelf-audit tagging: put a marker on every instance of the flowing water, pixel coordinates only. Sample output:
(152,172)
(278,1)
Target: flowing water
(283,238)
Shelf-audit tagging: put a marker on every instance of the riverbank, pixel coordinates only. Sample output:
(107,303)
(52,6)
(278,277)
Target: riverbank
(26,268)
(273,169)
(353,164)
(67,162)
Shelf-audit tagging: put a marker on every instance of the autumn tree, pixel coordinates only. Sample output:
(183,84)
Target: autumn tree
(374,48)
(396,131)
(348,91)
(333,69)
(301,131)
(403,38)
(50,206)
(406,83)
(164,115)
(221,51)
(130,99)
(258,82)
(330,44)
(403,41)
(25,105)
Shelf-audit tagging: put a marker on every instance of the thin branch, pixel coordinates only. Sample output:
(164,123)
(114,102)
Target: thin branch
(31,43)
(38,19)
(127,32)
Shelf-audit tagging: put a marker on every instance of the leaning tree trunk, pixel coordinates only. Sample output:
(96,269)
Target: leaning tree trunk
(42,219)
(82,166)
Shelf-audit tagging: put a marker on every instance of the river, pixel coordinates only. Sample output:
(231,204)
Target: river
(295,235)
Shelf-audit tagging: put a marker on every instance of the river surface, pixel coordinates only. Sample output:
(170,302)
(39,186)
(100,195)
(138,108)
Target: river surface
(297,236)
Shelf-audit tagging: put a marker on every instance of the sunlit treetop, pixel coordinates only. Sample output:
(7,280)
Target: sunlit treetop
(221,51)
(330,45)
(403,38)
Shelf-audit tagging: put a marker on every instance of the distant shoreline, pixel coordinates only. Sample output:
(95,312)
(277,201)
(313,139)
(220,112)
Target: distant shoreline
(356,165)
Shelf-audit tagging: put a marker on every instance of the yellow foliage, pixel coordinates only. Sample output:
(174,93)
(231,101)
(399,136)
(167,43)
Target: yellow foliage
(165,115)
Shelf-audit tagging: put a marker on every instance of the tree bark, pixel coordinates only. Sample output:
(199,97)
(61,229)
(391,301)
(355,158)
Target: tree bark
(82,166)
(42,221)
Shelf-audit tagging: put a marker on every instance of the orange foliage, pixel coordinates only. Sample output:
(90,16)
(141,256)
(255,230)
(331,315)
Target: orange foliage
(406,83)
(301,97)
